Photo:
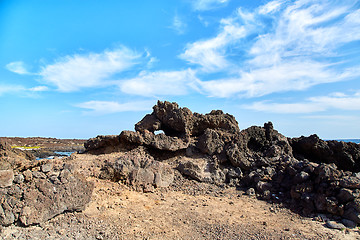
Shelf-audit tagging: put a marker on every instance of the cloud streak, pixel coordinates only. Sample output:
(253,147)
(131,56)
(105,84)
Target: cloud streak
(204,5)
(278,47)
(109,107)
(163,83)
(338,101)
(72,73)
(18,67)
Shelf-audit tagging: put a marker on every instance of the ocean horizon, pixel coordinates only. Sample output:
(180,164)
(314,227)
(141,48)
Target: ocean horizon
(348,140)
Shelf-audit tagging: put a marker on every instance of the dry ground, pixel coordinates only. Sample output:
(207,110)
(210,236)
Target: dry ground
(190,211)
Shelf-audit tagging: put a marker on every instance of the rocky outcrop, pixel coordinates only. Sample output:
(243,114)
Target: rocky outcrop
(11,158)
(41,192)
(139,169)
(307,173)
(345,155)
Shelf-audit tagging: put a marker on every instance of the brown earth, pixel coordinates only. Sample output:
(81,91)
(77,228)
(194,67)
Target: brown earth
(187,209)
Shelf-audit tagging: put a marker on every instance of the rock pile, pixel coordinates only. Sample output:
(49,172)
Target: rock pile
(307,172)
(35,192)
(13,158)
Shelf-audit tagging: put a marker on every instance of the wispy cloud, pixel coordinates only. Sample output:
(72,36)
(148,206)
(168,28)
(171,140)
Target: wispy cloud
(18,67)
(164,83)
(21,90)
(203,5)
(108,107)
(178,25)
(211,54)
(339,101)
(72,73)
(279,47)
(4,89)
(39,89)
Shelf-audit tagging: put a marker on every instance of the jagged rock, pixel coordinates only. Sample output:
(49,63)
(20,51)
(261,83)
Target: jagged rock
(11,158)
(345,195)
(34,197)
(350,182)
(201,169)
(150,123)
(239,158)
(103,144)
(307,171)
(6,178)
(345,155)
(175,121)
(210,142)
(140,170)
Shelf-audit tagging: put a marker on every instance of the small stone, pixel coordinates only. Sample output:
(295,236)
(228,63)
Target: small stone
(335,225)
(28,175)
(47,167)
(250,192)
(348,223)
(19,179)
(37,174)
(6,178)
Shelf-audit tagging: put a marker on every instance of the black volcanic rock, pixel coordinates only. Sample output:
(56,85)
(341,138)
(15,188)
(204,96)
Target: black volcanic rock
(345,155)
(307,173)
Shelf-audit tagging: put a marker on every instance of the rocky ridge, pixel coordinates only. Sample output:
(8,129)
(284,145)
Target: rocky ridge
(308,174)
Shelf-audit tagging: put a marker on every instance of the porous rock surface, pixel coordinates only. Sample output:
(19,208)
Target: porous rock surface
(307,173)
(39,191)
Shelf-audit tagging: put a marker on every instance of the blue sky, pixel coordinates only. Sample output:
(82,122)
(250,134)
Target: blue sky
(77,69)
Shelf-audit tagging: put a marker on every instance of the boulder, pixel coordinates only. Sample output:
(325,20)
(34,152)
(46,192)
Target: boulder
(139,169)
(6,178)
(345,155)
(103,144)
(33,200)
(201,169)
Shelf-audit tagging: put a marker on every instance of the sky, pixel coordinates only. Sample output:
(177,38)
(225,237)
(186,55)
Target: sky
(78,69)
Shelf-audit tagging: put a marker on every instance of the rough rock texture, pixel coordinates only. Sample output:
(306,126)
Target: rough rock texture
(41,192)
(13,158)
(140,170)
(307,173)
(345,155)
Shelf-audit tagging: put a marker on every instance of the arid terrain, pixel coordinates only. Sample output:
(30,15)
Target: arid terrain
(202,178)
(185,210)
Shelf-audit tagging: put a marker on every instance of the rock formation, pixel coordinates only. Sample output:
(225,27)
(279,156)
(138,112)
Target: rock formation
(307,173)
(32,192)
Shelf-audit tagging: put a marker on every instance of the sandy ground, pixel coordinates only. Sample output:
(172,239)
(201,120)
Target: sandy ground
(192,211)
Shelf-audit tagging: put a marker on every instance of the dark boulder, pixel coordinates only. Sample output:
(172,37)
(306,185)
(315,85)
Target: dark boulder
(345,155)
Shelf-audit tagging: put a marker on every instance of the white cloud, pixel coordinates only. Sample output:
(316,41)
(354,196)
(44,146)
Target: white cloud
(72,73)
(107,107)
(160,83)
(203,5)
(270,7)
(315,104)
(39,89)
(211,53)
(4,89)
(17,67)
(287,46)
(178,25)
(289,76)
